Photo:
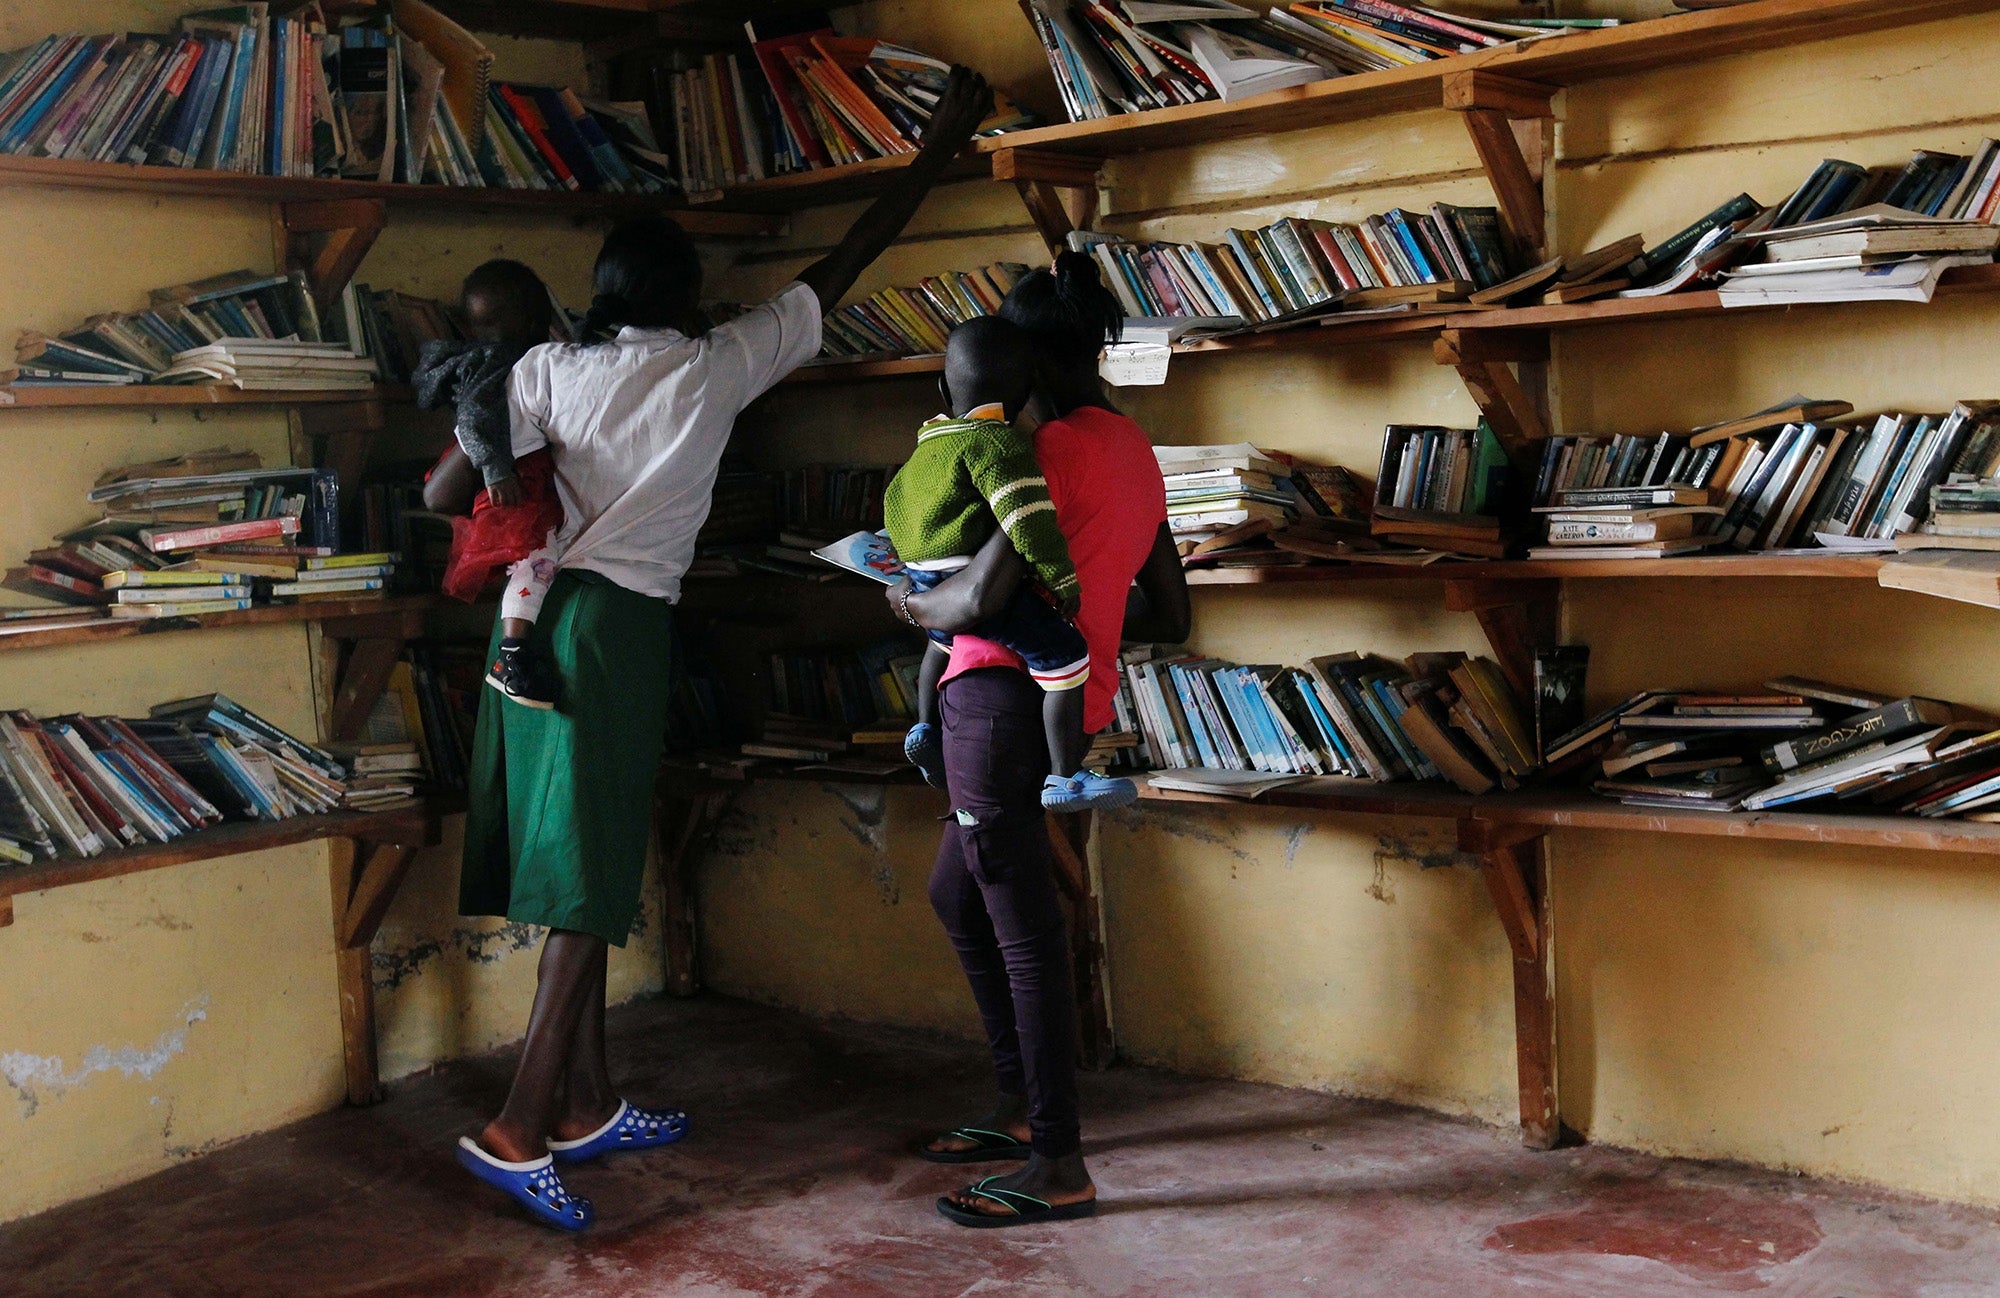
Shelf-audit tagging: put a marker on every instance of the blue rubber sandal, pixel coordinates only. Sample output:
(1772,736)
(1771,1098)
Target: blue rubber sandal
(923,748)
(629,1128)
(1022,1209)
(533,1184)
(1087,791)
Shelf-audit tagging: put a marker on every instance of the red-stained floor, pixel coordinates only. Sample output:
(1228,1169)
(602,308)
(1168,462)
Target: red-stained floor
(796,1181)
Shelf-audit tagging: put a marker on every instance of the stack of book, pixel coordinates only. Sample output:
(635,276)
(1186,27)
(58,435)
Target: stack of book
(1876,253)
(1965,509)
(1627,522)
(1804,742)
(240,309)
(272,365)
(1240,506)
(205,533)
(80,786)
(1294,269)
(397,94)
(918,319)
(1374,35)
(1442,489)
(800,98)
(842,710)
(420,730)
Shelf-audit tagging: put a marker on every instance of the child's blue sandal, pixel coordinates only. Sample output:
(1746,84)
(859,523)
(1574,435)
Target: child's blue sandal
(629,1128)
(1087,791)
(923,748)
(533,1184)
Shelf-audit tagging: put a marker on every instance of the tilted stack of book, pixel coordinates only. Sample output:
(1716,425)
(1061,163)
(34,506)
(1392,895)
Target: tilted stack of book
(1238,505)
(1807,741)
(397,94)
(1354,715)
(80,786)
(203,533)
(917,320)
(802,97)
(244,329)
(1298,270)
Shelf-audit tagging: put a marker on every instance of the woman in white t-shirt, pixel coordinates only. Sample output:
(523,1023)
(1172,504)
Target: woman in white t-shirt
(561,799)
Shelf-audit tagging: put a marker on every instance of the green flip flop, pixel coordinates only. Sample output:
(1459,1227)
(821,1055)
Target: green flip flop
(1022,1209)
(989,1147)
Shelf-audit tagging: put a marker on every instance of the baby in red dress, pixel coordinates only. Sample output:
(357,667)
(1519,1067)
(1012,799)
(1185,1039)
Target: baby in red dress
(515,519)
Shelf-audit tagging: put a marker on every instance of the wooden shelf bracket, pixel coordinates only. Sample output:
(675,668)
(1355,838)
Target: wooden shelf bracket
(1520,618)
(328,240)
(1511,122)
(1070,838)
(1513,861)
(1058,189)
(1483,359)
(365,878)
(685,814)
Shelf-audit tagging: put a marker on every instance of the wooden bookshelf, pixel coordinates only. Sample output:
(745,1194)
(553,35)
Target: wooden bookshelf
(57,173)
(395,607)
(1571,810)
(1843,567)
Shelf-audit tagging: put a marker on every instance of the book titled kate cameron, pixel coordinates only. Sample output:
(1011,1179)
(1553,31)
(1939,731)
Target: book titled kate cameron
(866,554)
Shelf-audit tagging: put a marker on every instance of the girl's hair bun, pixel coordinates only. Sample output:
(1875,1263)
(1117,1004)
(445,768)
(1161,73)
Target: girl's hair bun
(1076,271)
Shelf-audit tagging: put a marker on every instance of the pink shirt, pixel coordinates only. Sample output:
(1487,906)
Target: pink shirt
(1110,501)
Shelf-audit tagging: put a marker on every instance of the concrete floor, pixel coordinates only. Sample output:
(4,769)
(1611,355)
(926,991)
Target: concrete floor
(796,1181)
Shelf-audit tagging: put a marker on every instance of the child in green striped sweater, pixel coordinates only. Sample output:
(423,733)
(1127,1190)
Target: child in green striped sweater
(973,474)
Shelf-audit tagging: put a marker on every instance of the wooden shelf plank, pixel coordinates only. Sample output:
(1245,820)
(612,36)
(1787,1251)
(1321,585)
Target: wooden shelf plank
(168,395)
(395,606)
(411,825)
(1833,566)
(62,174)
(1561,810)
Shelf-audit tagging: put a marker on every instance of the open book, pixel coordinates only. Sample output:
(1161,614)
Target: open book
(866,554)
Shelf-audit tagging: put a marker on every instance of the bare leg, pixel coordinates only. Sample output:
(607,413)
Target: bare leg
(589,1099)
(929,676)
(516,628)
(569,960)
(1062,719)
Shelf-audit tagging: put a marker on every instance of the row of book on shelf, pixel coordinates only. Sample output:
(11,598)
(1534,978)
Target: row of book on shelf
(1212,726)
(398,93)
(202,533)
(799,98)
(1890,234)
(78,786)
(247,330)
(1110,57)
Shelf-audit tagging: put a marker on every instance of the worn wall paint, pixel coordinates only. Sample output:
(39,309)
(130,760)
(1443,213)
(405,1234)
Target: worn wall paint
(1802,1008)
(150,1018)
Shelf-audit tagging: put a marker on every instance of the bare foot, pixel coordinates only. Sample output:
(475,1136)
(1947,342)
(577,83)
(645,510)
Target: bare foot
(1055,1181)
(510,1144)
(1009,1117)
(577,1126)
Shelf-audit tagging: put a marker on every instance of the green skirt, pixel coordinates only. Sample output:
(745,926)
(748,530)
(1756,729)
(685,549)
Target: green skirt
(561,801)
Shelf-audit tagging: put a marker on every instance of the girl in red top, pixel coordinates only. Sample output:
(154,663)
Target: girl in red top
(993,886)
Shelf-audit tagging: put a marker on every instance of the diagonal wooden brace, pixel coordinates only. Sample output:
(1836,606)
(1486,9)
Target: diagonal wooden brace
(1069,839)
(1519,619)
(1483,363)
(328,239)
(1058,189)
(1508,120)
(365,877)
(1513,866)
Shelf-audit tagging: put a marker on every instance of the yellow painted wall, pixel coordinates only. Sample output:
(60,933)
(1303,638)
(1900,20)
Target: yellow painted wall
(150,1018)
(1813,1009)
